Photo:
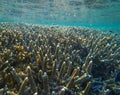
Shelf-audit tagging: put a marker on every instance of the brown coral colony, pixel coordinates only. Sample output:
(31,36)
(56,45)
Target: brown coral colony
(43,60)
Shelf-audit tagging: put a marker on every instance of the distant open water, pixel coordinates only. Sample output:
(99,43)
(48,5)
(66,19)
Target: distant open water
(103,15)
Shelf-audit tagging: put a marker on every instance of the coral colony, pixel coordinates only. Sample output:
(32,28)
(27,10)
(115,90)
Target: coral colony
(43,60)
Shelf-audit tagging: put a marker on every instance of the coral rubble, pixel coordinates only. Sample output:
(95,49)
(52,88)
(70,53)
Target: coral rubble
(43,60)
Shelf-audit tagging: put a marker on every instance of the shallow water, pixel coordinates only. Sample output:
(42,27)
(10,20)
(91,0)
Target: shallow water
(98,14)
(39,55)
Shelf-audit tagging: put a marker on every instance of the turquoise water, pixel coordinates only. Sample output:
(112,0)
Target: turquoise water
(98,14)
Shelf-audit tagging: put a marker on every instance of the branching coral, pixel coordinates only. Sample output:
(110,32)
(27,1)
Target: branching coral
(40,60)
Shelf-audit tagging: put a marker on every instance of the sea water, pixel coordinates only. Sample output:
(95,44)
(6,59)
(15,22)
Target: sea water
(98,14)
(46,47)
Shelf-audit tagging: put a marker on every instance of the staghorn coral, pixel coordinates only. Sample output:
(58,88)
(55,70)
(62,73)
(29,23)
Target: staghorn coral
(42,60)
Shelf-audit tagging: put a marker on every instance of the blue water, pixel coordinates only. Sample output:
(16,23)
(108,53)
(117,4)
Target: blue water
(98,14)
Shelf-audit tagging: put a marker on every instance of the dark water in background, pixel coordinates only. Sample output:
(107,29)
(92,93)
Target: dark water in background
(98,14)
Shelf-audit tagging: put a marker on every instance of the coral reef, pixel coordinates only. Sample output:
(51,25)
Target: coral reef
(43,60)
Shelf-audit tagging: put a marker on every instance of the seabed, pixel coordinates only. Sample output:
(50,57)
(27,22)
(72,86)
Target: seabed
(44,60)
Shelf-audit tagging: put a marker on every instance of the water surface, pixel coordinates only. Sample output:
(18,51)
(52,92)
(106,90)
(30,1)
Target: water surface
(100,14)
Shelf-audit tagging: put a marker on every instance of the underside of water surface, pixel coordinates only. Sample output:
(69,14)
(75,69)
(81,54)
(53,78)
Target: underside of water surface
(98,14)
